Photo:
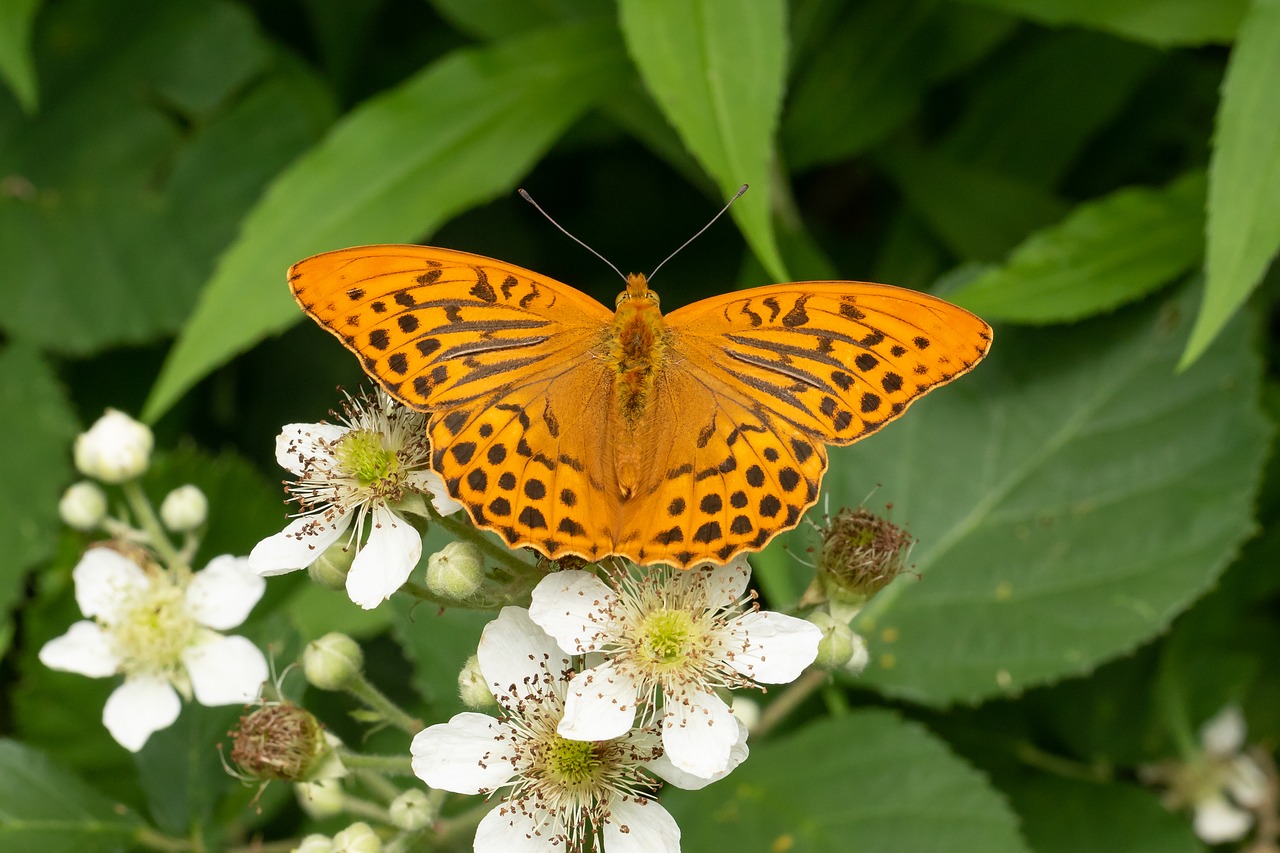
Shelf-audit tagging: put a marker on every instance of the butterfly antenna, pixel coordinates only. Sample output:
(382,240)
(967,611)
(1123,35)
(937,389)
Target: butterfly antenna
(524,195)
(736,196)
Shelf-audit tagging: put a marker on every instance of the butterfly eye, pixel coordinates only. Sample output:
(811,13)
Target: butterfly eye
(649,294)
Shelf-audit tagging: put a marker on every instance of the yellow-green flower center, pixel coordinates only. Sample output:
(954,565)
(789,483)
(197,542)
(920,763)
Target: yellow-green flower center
(152,631)
(572,763)
(361,454)
(666,637)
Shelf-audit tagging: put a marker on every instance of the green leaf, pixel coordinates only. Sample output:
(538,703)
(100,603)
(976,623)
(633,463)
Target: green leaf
(459,133)
(17,17)
(717,70)
(864,781)
(1066,816)
(1165,23)
(1243,232)
(1105,253)
(180,769)
(1070,497)
(437,642)
(492,19)
(881,57)
(160,124)
(40,426)
(47,809)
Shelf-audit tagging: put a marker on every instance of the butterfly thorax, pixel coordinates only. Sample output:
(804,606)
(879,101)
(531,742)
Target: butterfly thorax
(637,343)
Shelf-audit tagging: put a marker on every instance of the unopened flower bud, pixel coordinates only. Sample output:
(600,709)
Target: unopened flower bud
(115,449)
(83,506)
(836,646)
(861,552)
(332,661)
(282,741)
(321,799)
(861,656)
(314,843)
(456,570)
(746,709)
(330,568)
(412,810)
(359,837)
(184,509)
(472,687)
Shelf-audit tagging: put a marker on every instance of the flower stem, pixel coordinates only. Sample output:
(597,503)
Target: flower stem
(362,689)
(395,765)
(360,807)
(146,518)
(793,697)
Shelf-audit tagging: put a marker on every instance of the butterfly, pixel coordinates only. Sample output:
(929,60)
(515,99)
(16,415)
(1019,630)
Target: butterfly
(573,430)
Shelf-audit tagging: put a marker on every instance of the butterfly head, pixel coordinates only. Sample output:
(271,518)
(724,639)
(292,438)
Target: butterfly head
(637,288)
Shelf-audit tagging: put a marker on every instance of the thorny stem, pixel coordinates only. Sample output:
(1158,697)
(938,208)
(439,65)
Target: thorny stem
(146,517)
(791,698)
(362,689)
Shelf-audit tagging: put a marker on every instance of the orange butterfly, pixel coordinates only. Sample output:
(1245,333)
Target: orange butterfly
(573,430)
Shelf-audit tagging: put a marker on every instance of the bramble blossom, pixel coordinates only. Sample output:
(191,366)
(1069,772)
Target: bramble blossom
(368,472)
(560,794)
(160,629)
(676,634)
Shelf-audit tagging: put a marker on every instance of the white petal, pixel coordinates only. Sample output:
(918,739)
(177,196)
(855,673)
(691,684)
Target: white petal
(433,484)
(105,582)
(84,649)
(1224,733)
(138,708)
(699,732)
(221,596)
(225,670)
(600,704)
(572,606)
(725,584)
(506,829)
(663,767)
(770,647)
(298,545)
(637,825)
(470,754)
(1247,782)
(515,657)
(1218,821)
(298,444)
(385,561)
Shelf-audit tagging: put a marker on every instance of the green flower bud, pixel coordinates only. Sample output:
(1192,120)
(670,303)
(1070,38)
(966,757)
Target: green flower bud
(412,810)
(83,506)
(472,688)
(321,799)
(836,646)
(314,843)
(332,661)
(330,569)
(746,709)
(456,571)
(184,509)
(359,837)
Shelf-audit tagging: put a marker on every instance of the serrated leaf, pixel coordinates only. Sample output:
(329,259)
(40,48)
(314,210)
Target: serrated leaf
(1243,232)
(458,133)
(45,808)
(1065,816)
(717,70)
(1070,496)
(104,237)
(17,68)
(1105,253)
(864,781)
(1165,23)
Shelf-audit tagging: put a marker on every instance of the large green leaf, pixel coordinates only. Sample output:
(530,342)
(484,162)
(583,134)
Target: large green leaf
(1070,497)
(47,809)
(1105,253)
(1161,22)
(460,132)
(717,70)
(865,781)
(881,57)
(1067,816)
(17,68)
(160,123)
(1243,232)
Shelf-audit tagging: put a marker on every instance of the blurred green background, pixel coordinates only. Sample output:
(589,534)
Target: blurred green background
(1097,567)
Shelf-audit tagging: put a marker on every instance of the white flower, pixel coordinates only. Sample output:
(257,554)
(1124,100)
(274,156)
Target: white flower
(560,794)
(116,448)
(160,629)
(355,471)
(681,634)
